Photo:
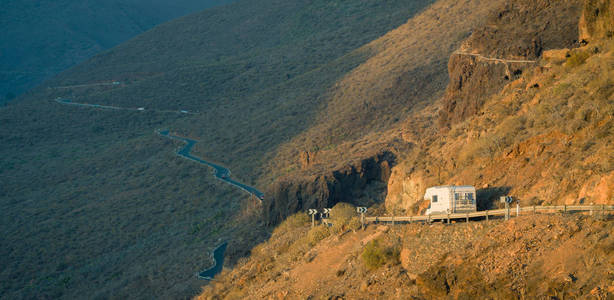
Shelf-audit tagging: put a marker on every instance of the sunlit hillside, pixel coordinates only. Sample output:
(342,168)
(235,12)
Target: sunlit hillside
(94,201)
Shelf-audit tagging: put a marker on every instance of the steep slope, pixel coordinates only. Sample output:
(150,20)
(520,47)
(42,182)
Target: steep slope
(520,117)
(527,257)
(94,202)
(42,38)
(364,110)
(545,136)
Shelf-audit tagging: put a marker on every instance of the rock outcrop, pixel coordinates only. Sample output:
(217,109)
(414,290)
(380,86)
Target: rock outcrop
(502,50)
(350,184)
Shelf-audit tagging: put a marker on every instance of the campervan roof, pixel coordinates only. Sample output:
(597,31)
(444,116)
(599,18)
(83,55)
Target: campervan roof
(456,186)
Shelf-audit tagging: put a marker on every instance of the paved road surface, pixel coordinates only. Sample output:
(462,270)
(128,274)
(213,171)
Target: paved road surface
(69,102)
(220,172)
(501,60)
(218,263)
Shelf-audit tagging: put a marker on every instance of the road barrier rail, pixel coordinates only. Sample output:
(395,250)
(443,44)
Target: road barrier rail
(591,209)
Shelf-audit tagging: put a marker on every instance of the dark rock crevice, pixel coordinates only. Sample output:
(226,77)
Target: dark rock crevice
(362,183)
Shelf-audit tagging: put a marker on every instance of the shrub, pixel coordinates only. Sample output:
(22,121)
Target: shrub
(292,222)
(376,254)
(341,216)
(317,234)
(354,223)
(577,58)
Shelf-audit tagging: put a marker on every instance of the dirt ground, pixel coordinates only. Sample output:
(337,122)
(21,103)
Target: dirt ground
(542,256)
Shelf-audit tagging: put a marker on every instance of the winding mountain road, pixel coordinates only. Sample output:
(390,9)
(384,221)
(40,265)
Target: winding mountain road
(218,263)
(111,83)
(221,173)
(69,102)
(501,60)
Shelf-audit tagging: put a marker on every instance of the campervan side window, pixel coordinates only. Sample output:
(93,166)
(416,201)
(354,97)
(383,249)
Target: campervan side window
(469,197)
(434,198)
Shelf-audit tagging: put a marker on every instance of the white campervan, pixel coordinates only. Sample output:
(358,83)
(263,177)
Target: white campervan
(450,199)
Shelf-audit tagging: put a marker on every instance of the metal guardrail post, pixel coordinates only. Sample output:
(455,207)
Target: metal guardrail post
(467,217)
(486,215)
(592,207)
(362,220)
(533,209)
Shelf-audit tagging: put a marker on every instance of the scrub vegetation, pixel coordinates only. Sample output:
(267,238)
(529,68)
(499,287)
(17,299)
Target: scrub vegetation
(41,39)
(317,103)
(94,202)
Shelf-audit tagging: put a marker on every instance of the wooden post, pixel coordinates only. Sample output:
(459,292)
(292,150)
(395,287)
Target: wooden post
(410,217)
(602,210)
(517,209)
(467,216)
(565,208)
(362,220)
(313,220)
(448,218)
(533,209)
(393,219)
(487,215)
(429,220)
(507,211)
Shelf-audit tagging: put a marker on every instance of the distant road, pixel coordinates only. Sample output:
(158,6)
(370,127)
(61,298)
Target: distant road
(221,173)
(69,102)
(86,85)
(218,263)
(501,60)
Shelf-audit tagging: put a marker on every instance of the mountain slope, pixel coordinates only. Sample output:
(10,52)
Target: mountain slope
(365,111)
(42,38)
(543,135)
(120,215)
(532,122)
(530,256)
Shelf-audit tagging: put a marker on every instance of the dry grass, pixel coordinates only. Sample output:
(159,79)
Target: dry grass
(406,71)
(94,196)
(532,256)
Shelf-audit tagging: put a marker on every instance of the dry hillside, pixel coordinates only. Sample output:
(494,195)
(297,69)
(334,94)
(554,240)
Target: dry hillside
(347,154)
(528,111)
(558,257)
(505,92)
(545,136)
(94,202)
(314,102)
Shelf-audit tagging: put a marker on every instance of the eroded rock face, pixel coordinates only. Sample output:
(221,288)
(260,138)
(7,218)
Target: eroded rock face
(597,20)
(472,81)
(502,50)
(348,184)
(405,190)
(599,189)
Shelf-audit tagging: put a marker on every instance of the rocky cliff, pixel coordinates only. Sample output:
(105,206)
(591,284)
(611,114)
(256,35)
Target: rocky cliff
(541,131)
(514,36)
(361,183)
